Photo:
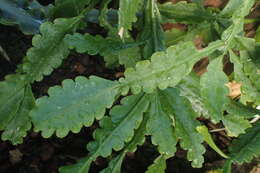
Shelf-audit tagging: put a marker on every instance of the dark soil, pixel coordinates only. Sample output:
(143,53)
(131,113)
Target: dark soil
(39,155)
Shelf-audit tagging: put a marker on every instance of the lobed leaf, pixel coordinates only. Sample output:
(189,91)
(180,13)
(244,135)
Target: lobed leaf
(213,89)
(185,124)
(166,69)
(20,123)
(235,125)
(160,127)
(114,132)
(73,105)
(49,49)
(152,32)
(112,49)
(246,146)
(127,14)
(159,165)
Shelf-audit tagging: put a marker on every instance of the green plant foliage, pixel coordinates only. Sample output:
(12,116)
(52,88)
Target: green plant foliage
(190,13)
(68,8)
(127,15)
(152,31)
(166,69)
(203,130)
(16,102)
(185,125)
(245,148)
(49,49)
(80,101)
(126,53)
(159,165)
(213,89)
(163,103)
(166,142)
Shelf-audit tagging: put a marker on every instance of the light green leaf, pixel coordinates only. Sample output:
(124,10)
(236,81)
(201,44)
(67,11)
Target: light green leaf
(127,15)
(159,165)
(203,130)
(160,127)
(166,69)
(183,12)
(235,125)
(21,122)
(73,105)
(213,89)
(49,49)
(185,125)
(246,146)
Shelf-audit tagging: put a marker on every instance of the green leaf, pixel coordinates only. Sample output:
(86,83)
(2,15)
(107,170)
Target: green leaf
(239,109)
(159,165)
(111,48)
(185,124)
(73,105)
(213,89)
(138,139)
(49,49)
(246,146)
(11,95)
(242,10)
(247,74)
(183,12)
(21,122)
(115,164)
(257,35)
(127,15)
(69,8)
(114,132)
(166,69)
(160,127)
(203,130)
(152,31)
(190,88)
(235,125)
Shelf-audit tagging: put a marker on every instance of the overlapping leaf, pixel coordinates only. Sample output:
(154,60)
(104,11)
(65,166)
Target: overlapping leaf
(183,12)
(49,49)
(152,31)
(166,69)
(185,124)
(111,48)
(213,89)
(73,105)
(68,8)
(246,146)
(160,127)
(127,15)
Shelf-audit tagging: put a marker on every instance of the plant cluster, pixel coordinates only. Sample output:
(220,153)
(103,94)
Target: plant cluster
(163,97)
